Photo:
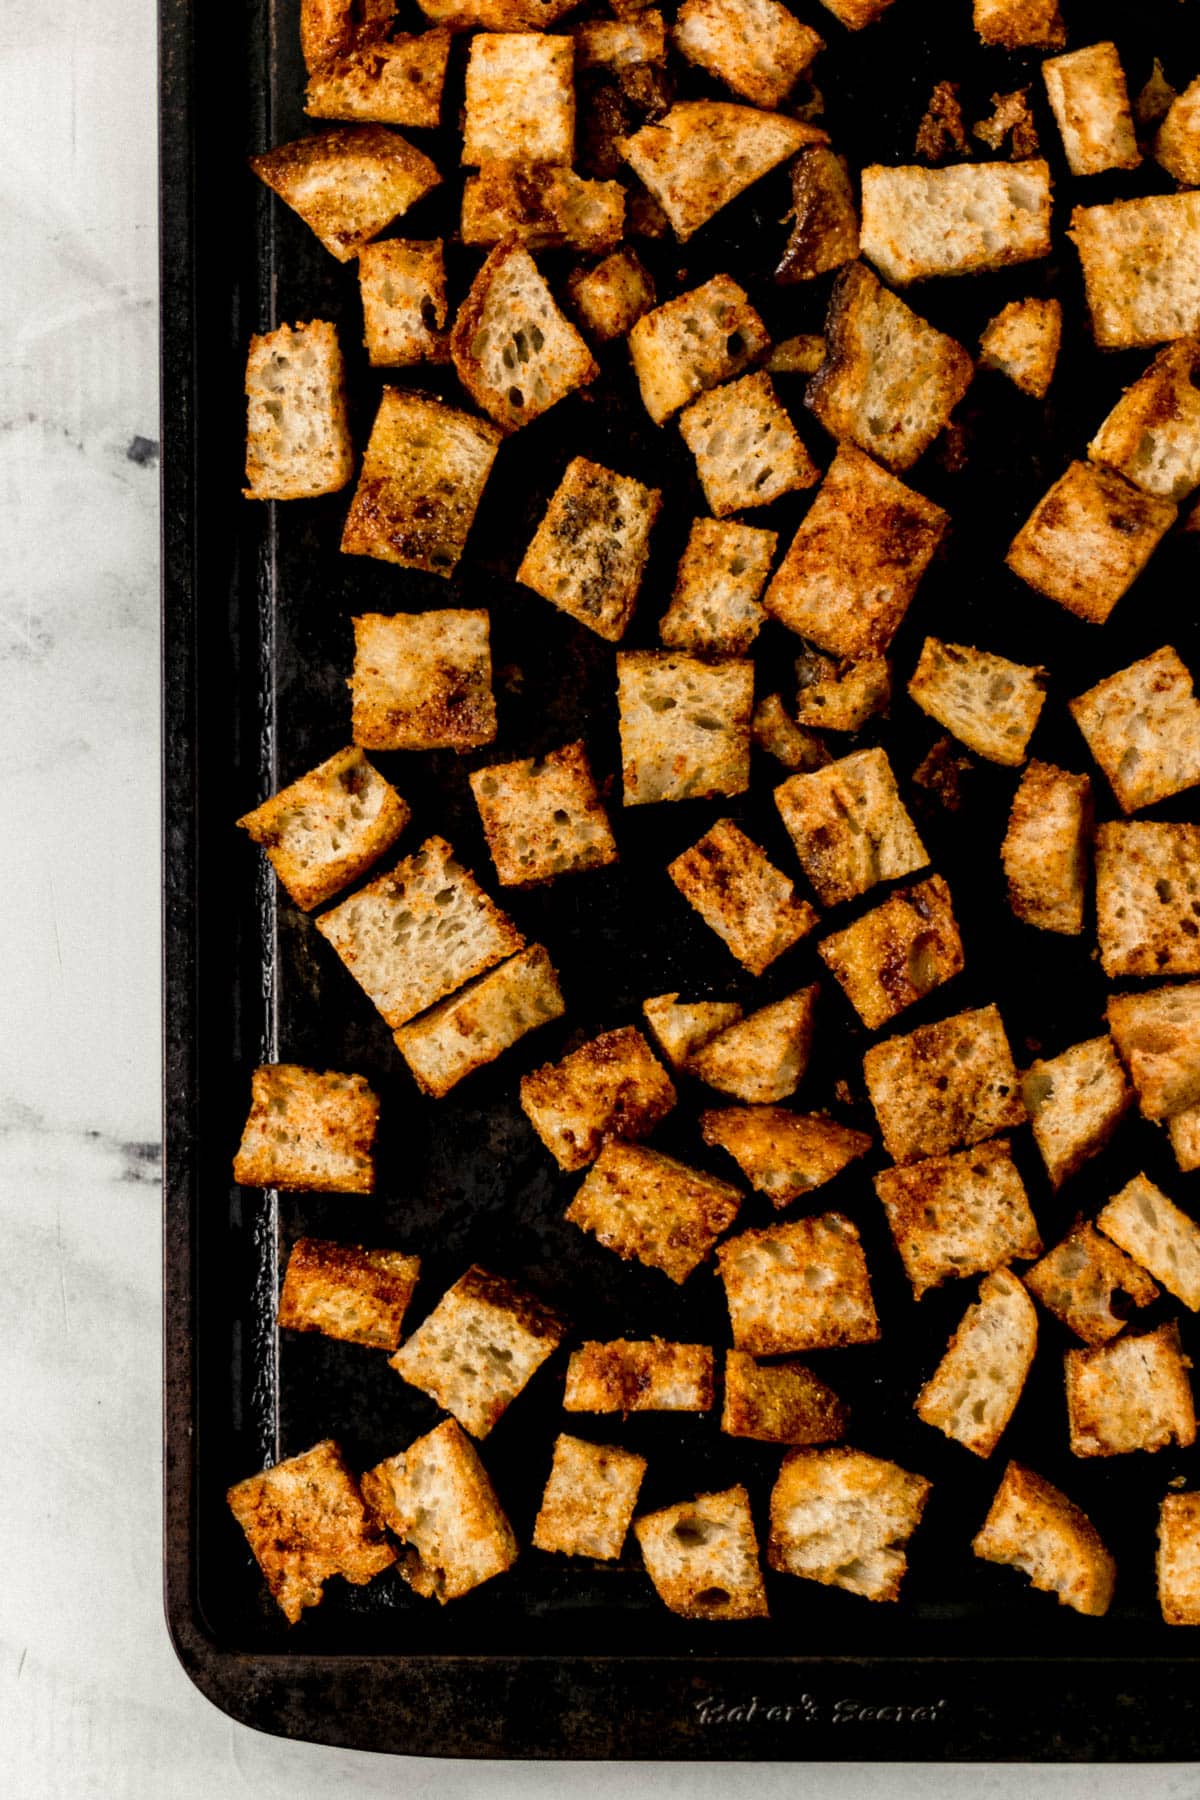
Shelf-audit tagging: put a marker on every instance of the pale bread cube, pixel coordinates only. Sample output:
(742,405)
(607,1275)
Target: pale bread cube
(849,826)
(1075,1101)
(756,47)
(1086,541)
(514,349)
(589,1499)
(438,1500)
(944,1085)
(1148,898)
(897,953)
(403,286)
(1142,725)
(843,1518)
(1087,94)
(702,1556)
(479,1348)
(685,726)
(784,1154)
(328,27)
(989,703)
(694,342)
(479,1023)
(543,817)
(715,608)
(621,43)
(348,184)
(544,206)
(611,296)
(1035,1528)
(346,1292)
(1152,435)
(856,14)
(779,1403)
(297,432)
(629,1375)
(841,695)
(392,81)
(308,1131)
(1018,24)
(973,1392)
(520,98)
(651,1209)
(762,1057)
(423,681)
(824,225)
(611,1087)
(954,221)
(1079,1281)
(799,1286)
(737,890)
(704,153)
(682,1028)
(777,734)
(1158,1035)
(1158,1235)
(589,551)
(1177,1564)
(1130,1394)
(966,1214)
(747,450)
(1045,848)
(1022,342)
(1141,268)
(327,828)
(1177,145)
(1183,1129)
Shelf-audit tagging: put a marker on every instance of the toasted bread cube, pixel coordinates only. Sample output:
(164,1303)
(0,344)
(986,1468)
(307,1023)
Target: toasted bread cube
(418,933)
(639,1376)
(621,43)
(685,726)
(422,478)
(722,572)
(1178,1560)
(613,295)
(1087,541)
(543,817)
(841,695)
(762,1057)
(855,14)
(1035,1528)
(856,560)
(1075,1100)
(1131,1394)
(343,1291)
(756,47)
(973,1392)
(612,1087)
(989,703)
(704,153)
(1158,1235)
(1080,1279)
(515,351)
(747,450)
(954,221)
(393,81)
(799,1286)
(327,828)
(1142,725)
(1152,435)
(1012,119)
(947,1084)
(824,218)
(478,1024)
(843,1518)
(1045,848)
(957,1215)
(784,1154)
(479,1347)
(1018,24)
(329,27)
(1141,268)
(1087,94)
(589,1499)
(776,732)
(702,1556)
(520,98)
(779,1403)
(304,1521)
(308,1131)
(348,184)
(1158,1036)
(1177,145)
(297,433)
(496,15)
(1022,342)
(651,1209)
(1148,898)
(850,826)
(682,1029)
(897,953)
(588,554)
(403,287)
(437,1498)
(692,343)
(889,381)
(423,681)
(738,891)
(799,355)
(1183,1129)
(541,205)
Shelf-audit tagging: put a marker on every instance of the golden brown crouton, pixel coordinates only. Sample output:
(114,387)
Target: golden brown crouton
(520,98)
(543,817)
(639,1376)
(747,450)
(423,681)
(973,1392)
(1076,1101)
(1148,898)
(1080,1280)
(589,551)
(685,726)
(541,205)
(1087,94)
(1011,118)
(715,609)
(784,1154)
(1088,539)
(896,954)
(621,43)
(702,1557)
(515,351)
(954,221)
(1045,848)
(1177,145)
(762,1057)
(1158,1035)
(1022,342)
(1142,725)
(1183,1129)
(947,1084)
(325,829)
(297,433)
(694,341)
(403,288)
(1017,24)
(391,81)
(612,1087)
(777,734)
(476,1025)
(756,47)
(842,695)
(1152,435)
(958,1215)
(348,184)
(589,1499)
(855,14)
(779,1403)
(1141,268)
(613,295)
(703,153)
(799,355)
(799,1286)
(681,1029)
(343,1291)
(738,891)
(649,1208)
(308,1131)
(844,1518)
(496,15)
(1035,1528)
(941,133)
(1158,1235)
(824,218)
(850,826)
(1178,1559)
(988,702)
(437,1498)
(328,27)
(1131,1394)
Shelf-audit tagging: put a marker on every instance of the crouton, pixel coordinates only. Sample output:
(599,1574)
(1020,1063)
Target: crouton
(1018,24)
(1152,435)
(1141,268)
(621,43)
(479,1347)
(945,774)
(1158,1235)
(681,1029)
(761,1058)
(514,351)
(589,551)
(1011,118)
(416,934)
(589,1499)
(327,828)
(496,15)
(799,1286)
(297,433)
(403,288)
(1154,101)
(957,1215)
(704,153)
(308,1131)
(1148,898)
(1177,1564)
(843,1518)
(857,558)
(1177,145)
(391,81)
(329,27)
(1045,848)
(889,381)
(1087,94)
(784,1154)
(973,1392)
(944,1085)
(304,1521)
(849,826)
(715,609)
(651,1209)
(1035,1528)
(1090,1285)
(685,726)
(343,1291)
(423,681)
(1022,342)
(1183,1129)
(756,47)
(737,890)
(1088,539)
(988,702)
(824,217)
(1131,1394)
(954,221)
(841,695)
(1075,1101)
(476,1025)
(541,205)
(702,1557)
(422,478)
(896,954)
(779,1403)
(348,184)
(542,817)
(747,450)
(799,355)
(855,14)
(776,732)
(1142,725)
(520,98)
(437,1499)
(692,342)
(612,1087)
(942,132)
(613,295)
(1158,1035)
(639,1376)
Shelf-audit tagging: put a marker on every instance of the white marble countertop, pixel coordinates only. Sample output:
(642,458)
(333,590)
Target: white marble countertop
(92,1701)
